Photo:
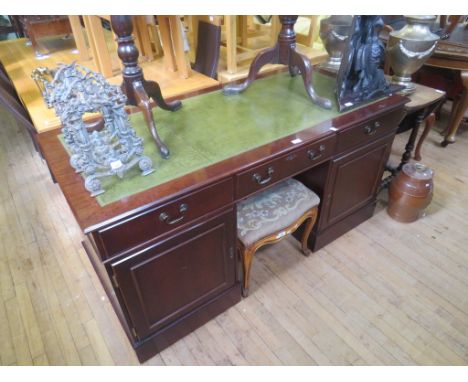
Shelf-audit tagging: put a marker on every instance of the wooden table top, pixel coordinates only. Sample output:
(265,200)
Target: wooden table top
(19,61)
(422,97)
(453,52)
(90,215)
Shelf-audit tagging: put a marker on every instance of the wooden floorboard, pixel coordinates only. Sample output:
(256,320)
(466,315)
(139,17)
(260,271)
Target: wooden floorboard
(385,293)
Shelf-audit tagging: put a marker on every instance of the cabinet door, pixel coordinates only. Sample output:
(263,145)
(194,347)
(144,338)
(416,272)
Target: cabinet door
(162,283)
(354,179)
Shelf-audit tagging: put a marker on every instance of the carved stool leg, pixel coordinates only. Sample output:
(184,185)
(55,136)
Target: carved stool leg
(267,56)
(247,257)
(430,121)
(145,106)
(307,231)
(305,68)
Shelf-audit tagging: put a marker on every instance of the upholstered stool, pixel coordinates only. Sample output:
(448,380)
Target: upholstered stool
(269,216)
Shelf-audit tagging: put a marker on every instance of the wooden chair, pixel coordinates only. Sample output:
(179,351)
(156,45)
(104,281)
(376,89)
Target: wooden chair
(208,48)
(270,216)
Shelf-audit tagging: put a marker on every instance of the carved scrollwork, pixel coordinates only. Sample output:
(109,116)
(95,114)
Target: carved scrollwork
(111,149)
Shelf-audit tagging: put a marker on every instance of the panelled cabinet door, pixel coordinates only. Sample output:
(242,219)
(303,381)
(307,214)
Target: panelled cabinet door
(163,282)
(355,178)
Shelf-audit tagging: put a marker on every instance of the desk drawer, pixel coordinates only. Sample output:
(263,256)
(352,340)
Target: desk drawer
(369,131)
(264,175)
(147,225)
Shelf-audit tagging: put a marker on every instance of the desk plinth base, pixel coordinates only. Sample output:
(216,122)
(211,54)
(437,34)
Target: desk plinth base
(319,239)
(186,324)
(174,331)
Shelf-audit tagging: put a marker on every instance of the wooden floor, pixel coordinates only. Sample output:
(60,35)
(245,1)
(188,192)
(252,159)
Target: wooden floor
(385,293)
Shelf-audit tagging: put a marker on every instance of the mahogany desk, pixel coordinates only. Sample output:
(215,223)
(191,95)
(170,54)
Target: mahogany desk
(166,276)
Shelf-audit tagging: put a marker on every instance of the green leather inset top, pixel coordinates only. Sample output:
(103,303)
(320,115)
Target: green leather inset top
(212,127)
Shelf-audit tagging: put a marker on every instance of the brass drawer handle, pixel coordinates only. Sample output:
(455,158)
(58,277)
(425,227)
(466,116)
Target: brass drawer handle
(291,157)
(371,130)
(313,155)
(166,218)
(258,178)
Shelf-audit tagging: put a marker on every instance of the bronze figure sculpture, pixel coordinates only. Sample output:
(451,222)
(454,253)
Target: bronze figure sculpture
(360,78)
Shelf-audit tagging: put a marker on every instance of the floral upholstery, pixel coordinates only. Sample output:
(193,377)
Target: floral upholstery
(273,210)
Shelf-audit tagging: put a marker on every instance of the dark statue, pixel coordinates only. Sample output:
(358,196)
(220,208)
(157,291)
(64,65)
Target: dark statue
(360,78)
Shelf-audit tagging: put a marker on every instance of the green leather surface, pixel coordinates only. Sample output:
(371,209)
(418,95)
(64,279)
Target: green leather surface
(212,127)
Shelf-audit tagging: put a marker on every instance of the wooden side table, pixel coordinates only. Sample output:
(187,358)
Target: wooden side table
(423,102)
(453,54)
(458,112)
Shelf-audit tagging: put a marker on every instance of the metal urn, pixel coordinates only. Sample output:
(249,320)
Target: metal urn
(409,48)
(334,32)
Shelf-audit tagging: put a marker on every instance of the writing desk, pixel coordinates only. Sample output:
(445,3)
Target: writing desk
(166,254)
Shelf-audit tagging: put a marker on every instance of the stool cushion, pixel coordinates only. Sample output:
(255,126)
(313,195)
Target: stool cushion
(273,210)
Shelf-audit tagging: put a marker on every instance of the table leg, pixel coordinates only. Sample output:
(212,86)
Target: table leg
(406,155)
(91,43)
(243,26)
(231,43)
(168,54)
(177,35)
(101,53)
(458,113)
(275,28)
(284,52)
(405,158)
(430,121)
(79,37)
(136,36)
(154,36)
